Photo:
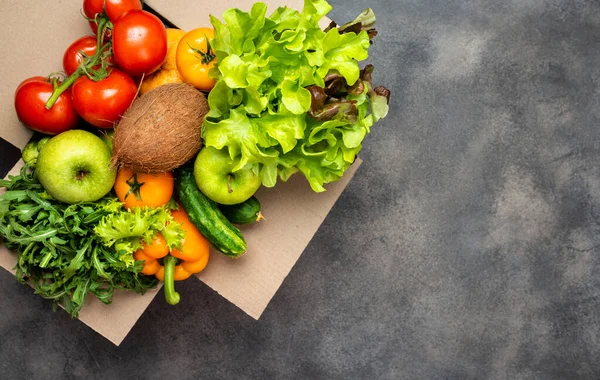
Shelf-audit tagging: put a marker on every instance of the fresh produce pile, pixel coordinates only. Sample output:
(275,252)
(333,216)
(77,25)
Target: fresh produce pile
(152,143)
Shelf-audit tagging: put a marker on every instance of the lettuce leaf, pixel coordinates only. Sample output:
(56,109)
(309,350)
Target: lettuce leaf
(127,230)
(263,108)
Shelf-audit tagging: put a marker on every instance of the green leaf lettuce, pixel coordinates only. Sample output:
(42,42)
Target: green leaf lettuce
(260,107)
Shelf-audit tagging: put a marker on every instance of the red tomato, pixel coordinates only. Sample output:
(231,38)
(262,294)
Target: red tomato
(139,43)
(103,103)
(114,9)
(30,103)
(72,57)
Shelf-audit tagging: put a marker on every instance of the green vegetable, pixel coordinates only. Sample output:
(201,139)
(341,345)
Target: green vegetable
(243,213)
(32,150)
(128,230)
(171,296)
(206,216)
(58,251)
(261,102)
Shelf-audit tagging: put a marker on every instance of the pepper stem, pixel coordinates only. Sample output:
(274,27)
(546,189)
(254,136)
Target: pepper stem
(171,295)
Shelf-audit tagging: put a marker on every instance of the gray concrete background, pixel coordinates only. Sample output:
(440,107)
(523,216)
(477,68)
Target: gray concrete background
(466,247)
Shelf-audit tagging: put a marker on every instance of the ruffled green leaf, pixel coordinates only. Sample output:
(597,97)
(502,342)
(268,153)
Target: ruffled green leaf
(261,109)
(129,230)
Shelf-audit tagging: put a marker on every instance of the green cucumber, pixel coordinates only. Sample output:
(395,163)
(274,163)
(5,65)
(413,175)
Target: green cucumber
(243,213)
(206,216)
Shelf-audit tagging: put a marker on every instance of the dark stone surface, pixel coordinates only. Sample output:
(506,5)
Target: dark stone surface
(9,156)
(466,247)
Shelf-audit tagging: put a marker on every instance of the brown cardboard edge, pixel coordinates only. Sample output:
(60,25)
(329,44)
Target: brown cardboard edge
(257,297)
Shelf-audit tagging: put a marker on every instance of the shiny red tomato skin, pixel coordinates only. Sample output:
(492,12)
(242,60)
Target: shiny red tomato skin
(30,105)
(72,57)
(114,9)
(103,103)
(139,43)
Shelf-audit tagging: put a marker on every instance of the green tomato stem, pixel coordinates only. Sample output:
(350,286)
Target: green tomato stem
(62,88)
(171,295)
(87,64)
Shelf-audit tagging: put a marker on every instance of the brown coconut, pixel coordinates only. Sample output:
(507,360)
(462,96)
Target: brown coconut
(161,130)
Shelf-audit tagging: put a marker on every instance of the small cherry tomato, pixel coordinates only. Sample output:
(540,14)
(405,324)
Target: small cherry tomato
(143,189)
(102,103)
(195,58)
(30,104)
(114,9)
(139,42)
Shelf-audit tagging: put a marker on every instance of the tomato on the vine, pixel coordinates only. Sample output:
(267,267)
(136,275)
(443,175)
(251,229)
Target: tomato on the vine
(73,57)
(30,104)
(139,41)
(102,103)
(114,9)
(195,58)
(143,189)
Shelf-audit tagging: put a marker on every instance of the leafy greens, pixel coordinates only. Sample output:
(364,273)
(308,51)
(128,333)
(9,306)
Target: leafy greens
(127,231)
(59,253)
(260,107)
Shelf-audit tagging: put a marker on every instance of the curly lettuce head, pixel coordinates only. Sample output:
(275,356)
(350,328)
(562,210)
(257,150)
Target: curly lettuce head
(260,103)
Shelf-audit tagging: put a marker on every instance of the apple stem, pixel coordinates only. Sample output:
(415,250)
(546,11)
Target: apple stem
(81,175)
(229,189)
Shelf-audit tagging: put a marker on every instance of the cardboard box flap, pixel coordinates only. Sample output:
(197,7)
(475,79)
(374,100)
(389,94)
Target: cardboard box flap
(187,14)
(293,211)
(293,215)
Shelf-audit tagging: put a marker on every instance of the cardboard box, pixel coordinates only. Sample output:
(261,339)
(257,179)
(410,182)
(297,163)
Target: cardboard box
(35,35)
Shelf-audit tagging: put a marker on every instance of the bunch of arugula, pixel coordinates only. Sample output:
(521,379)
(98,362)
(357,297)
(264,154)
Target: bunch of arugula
(69,251)
(273,107)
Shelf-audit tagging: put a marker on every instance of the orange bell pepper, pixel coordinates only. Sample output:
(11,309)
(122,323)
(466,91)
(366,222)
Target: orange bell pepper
(181,263)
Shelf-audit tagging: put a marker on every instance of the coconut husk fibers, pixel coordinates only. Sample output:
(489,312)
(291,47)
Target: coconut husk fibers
(161,130)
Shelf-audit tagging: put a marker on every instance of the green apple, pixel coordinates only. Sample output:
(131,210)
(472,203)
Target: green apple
(74,166)
(214,177)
